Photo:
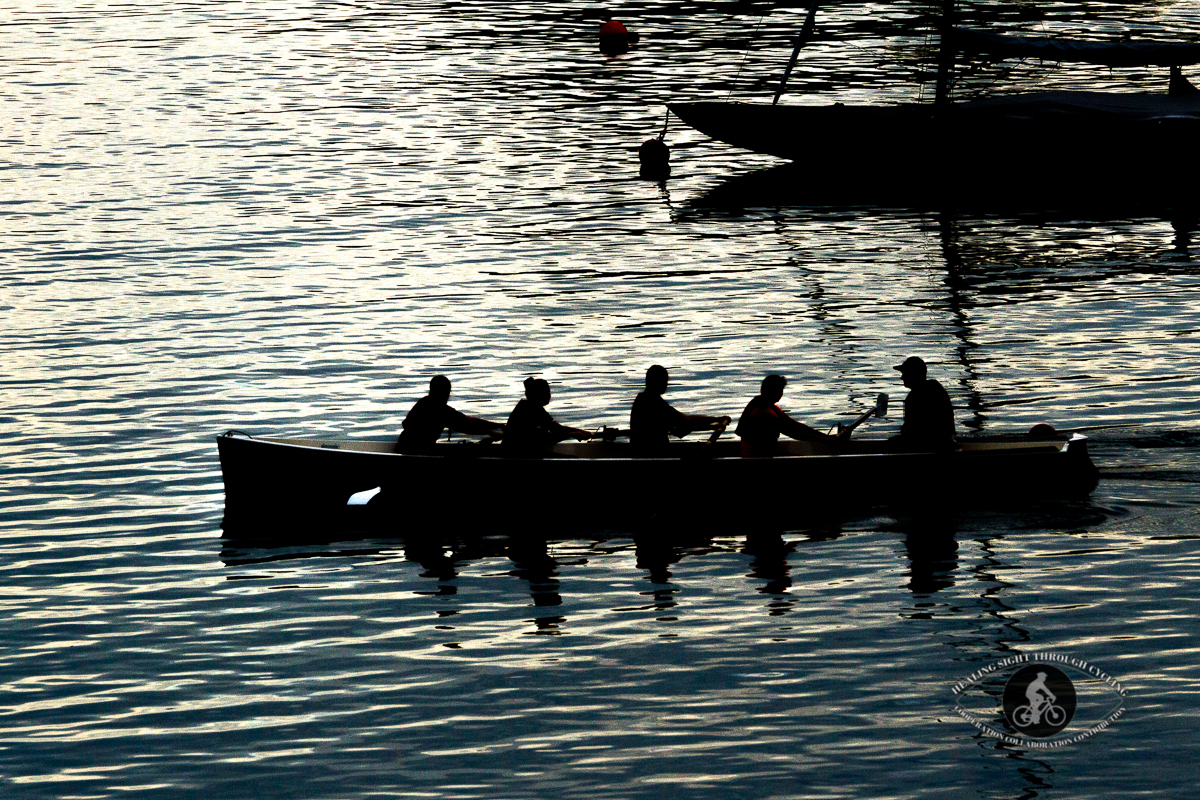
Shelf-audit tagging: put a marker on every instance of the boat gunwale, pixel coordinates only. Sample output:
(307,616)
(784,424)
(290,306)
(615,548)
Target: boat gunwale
(966,449)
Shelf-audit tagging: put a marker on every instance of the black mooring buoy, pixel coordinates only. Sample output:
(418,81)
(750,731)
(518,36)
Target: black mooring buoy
(656,159)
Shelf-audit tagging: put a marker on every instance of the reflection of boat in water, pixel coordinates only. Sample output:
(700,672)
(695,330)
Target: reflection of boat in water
(1107,139)
(992,243)
(795,186)
(269,478)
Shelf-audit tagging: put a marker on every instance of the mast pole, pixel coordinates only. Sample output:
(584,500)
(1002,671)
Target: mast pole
(805,34)
(945,54)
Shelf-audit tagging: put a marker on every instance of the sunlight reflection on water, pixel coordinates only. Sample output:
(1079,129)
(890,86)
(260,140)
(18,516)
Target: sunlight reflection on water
(284,219)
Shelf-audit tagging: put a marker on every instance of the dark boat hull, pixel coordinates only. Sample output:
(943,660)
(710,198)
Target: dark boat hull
(274,480)
(1018,143)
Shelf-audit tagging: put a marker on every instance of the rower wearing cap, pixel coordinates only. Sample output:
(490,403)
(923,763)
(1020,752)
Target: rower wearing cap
(928,414)
(652,418)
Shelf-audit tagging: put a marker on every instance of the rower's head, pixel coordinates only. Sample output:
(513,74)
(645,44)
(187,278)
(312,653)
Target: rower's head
(656,379)
(772,388)
(439,387)
(912,371)
(537,391)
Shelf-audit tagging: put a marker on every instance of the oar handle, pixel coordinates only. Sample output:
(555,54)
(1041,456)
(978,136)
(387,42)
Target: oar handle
(879,409)
(610,434)
(716,434)
(842,431)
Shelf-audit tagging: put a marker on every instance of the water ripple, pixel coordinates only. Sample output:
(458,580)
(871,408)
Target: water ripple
(284,218)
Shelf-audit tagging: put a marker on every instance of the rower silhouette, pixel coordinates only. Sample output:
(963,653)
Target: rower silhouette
(928,414)
(652,418)
(531,429)
(763,421)
(431,415)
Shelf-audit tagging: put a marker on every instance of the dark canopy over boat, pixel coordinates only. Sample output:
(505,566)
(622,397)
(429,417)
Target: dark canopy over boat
(1106,140)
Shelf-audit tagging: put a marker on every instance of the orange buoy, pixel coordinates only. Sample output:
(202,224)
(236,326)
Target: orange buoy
(1042,431)
(615,38)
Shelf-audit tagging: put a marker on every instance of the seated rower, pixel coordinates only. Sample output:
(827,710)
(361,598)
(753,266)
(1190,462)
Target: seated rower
(928,414)
(530,428)
(431,415)
(652,418)
(763,421)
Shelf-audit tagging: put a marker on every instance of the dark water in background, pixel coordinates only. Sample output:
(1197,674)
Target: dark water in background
(283,218)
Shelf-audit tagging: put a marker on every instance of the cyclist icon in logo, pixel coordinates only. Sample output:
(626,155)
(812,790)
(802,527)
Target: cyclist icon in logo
(1039,701)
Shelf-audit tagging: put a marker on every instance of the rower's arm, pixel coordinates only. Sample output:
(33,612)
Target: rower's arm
(475,426)
(798,430)
(559,432)
(698,422)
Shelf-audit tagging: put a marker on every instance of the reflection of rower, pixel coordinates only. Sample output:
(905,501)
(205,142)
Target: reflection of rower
(532,562)
(932,550)
(770,554)
(431,554)
(656,554)
(652,418)
(431,415)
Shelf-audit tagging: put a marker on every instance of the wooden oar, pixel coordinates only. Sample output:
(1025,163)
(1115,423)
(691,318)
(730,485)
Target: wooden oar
(611,434)
(709,446)
(880,410)
(717,431)
(1099,427)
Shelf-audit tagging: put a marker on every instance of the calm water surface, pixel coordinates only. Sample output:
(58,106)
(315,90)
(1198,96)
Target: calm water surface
(284,218)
